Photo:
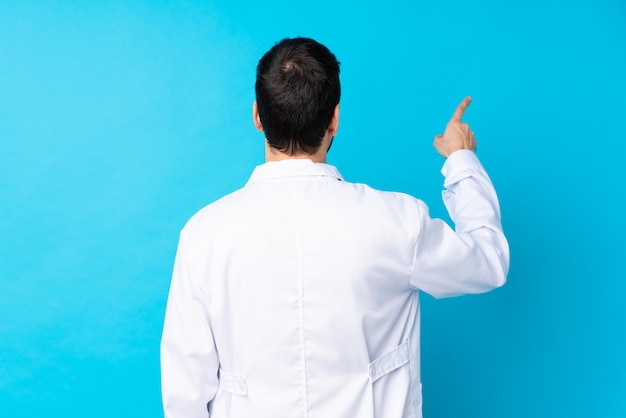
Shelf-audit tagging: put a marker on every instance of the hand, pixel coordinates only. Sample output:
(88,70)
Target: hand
(457,135)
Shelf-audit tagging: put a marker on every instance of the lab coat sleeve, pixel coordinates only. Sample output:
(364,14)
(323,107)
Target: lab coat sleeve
(473,258)
(189,361)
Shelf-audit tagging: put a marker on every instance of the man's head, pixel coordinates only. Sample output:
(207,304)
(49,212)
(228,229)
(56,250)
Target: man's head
(297,93)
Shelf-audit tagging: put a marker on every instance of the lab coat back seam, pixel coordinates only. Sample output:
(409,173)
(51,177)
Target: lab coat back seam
(300,272)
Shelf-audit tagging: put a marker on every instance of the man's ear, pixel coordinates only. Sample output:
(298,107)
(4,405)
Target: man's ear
(333,126)
(256,119)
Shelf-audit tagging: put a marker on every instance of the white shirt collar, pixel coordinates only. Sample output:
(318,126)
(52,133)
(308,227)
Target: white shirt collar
(292,168)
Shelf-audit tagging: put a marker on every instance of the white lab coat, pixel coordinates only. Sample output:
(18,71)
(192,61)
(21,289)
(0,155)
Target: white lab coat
(296,296)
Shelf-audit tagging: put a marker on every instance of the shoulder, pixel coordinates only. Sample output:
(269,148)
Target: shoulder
(213,211)
(386,207)
(389,198)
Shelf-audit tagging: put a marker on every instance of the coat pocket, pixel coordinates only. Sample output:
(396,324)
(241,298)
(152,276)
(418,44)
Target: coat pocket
(389,362)
(233,384)
(390,377)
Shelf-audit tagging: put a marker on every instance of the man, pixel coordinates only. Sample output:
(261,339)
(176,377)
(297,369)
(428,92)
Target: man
(297,295)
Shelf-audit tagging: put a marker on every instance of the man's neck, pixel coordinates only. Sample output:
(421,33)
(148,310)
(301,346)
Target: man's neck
(272,154)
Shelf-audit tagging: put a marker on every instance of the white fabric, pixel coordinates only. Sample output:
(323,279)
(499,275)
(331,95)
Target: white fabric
(296,296)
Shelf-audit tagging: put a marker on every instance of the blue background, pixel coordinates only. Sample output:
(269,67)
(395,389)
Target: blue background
(120,119)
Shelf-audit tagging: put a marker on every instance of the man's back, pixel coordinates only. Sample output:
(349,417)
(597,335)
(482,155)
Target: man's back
(308,284)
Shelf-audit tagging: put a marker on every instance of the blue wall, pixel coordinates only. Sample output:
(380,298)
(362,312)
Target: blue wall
(120,119)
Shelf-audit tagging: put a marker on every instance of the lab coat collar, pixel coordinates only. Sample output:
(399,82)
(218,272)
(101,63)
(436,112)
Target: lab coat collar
(292,168)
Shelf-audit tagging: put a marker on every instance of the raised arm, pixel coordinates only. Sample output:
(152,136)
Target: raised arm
(474,257)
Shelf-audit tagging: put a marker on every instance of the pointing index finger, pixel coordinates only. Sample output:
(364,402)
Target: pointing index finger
(460,110)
